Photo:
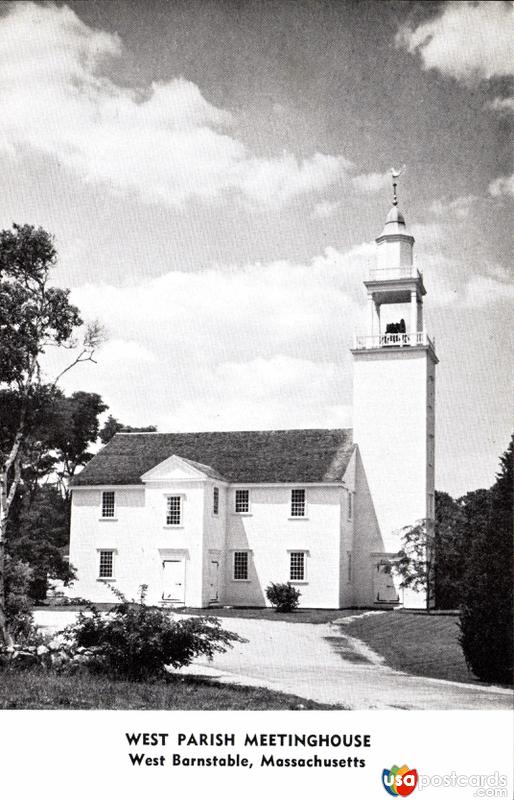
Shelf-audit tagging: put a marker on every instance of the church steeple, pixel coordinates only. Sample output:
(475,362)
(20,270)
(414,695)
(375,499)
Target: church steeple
(395,281)
(394,408)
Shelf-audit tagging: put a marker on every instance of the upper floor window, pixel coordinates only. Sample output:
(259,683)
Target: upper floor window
(297,566)
(106,564)
(349,566)
(173,510)
(215,501)
(350,505)
(241,565)
(242,501)
(297,502)
(107,504)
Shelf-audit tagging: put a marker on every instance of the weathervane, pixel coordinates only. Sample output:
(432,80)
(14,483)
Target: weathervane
(395,174)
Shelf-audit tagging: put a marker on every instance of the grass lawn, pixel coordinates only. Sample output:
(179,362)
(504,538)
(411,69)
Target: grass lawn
(422,644)
(314,616)
(42,690)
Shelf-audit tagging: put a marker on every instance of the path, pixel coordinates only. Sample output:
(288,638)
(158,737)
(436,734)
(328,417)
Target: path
(315,662)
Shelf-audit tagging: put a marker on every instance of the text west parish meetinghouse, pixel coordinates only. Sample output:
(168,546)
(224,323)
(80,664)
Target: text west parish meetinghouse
(212,518)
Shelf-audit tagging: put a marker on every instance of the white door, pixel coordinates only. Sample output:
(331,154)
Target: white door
(214,571)
(174,580)
(384,590)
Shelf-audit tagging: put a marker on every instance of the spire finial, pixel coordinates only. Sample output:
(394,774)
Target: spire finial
(395,174)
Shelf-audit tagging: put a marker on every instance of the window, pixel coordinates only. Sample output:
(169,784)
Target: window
(349,565)
(173,510)
(215,501)
(107,504)
(297,566)
(241,566)
(297,502)
(106,565)
(350,505)
(242,504)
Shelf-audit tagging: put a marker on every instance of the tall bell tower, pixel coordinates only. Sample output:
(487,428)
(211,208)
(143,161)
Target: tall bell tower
(394,410)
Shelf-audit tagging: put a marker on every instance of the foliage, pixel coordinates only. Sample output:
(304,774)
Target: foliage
(137,642)
(113,426)
(283,596)
(451,547)
(415,561)
(38,536)
(75,427)
(486,613)
(34,316)
(17,604)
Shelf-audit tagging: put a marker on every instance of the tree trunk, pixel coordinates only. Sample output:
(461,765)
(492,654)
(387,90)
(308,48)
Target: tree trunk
(7,493)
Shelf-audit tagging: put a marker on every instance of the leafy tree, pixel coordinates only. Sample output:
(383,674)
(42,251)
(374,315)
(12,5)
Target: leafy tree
(486,613)
(113,426)
(415,561)
(18,607)
(38,537)
(451,547)
(33,317)
(75,427)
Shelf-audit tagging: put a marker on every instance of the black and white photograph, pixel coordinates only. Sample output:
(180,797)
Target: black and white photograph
(256,372)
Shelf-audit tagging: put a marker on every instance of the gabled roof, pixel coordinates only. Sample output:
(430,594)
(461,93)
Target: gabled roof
(173,462)
(293,456)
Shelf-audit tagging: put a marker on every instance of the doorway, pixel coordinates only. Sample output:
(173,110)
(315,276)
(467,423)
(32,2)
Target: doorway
(214,577)
(384,590)
(174,580)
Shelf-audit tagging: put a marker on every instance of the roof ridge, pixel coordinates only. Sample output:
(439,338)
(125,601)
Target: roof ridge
(246,430)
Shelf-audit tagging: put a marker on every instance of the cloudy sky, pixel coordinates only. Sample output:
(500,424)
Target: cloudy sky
(215,174)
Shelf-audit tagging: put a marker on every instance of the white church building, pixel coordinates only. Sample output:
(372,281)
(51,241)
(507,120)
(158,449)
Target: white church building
(213,518)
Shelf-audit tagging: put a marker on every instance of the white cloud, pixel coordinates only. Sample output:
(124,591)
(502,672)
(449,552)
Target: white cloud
(468,41)
(502,104)
(264,345)
(325,208)
(459,207)
(251,346)
(504,185)
(278,392)
(275,181)
(372,182)
(123,353)
(167,144)
(482,290)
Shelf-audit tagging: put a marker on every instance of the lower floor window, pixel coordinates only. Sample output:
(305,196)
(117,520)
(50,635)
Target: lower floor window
(106,567)
(297,567)
(241,566)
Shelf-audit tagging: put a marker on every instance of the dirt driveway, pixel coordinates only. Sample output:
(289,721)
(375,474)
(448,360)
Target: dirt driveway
(317,662)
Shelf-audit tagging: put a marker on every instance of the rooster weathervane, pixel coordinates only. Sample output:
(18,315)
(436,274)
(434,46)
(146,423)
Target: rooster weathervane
(395,174)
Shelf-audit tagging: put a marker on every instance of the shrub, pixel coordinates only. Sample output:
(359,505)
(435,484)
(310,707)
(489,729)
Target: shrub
(283,596)
(486,613)
(138,642)
(18,607)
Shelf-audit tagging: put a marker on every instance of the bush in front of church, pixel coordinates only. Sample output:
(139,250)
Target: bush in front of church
(138,642)
(283,596)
